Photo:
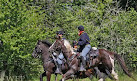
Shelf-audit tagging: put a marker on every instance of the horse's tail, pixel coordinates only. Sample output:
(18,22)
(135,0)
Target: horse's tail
(123,65)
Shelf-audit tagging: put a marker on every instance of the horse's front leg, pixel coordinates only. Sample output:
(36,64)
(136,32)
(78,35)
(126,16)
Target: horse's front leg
(55,76)
(68,75)
(48,74)
(42,75)
(89,73)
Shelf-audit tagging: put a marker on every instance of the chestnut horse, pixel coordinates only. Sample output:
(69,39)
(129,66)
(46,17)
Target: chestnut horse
(106,58)
(73,63)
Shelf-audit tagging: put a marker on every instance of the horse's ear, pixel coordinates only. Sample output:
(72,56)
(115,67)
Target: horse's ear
(56,37)
(38,41)
(59,37)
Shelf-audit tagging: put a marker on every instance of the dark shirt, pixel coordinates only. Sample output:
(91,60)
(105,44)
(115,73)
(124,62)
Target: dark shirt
(83,40)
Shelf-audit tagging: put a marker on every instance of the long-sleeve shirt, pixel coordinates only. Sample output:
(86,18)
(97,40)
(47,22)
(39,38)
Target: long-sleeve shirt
(83,40)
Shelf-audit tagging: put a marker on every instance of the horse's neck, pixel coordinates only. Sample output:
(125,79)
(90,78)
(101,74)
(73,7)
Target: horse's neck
(66,52)
(45,53)
(67,45)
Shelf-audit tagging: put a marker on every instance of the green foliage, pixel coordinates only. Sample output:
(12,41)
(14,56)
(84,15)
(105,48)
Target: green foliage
(21,27)
(22,23)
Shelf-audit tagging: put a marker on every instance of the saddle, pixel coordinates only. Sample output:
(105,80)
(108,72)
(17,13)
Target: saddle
(94,52)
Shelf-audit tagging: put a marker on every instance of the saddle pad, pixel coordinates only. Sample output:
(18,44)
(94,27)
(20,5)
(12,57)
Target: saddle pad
(94,52)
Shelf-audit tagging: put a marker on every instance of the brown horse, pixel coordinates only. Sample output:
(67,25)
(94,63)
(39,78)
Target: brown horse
(48,63)
(73,63)
(105,57)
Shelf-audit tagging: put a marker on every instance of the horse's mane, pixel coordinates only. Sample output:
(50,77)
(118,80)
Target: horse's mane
(46,42)
(68,46)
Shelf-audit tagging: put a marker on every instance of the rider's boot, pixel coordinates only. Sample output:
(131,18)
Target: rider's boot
(90,63)
(84,63)
(58,70)
(60,67)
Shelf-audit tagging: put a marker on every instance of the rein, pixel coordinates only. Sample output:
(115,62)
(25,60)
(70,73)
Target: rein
(49,59)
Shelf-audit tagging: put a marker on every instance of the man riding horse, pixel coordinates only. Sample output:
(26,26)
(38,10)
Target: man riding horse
(84,44)
(60,57)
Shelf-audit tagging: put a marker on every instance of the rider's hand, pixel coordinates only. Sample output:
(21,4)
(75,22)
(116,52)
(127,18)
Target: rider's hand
(75,46)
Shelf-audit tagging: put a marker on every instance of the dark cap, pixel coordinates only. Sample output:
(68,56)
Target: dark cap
(60,32)
(81,28)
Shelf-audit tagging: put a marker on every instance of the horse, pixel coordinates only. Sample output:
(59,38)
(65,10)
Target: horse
(105,57)
(48,63)
(73,63)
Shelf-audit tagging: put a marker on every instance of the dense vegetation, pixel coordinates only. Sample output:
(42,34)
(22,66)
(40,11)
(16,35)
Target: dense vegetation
(110,24)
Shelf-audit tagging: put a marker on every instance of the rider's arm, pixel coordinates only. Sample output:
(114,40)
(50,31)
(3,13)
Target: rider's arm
(82,40)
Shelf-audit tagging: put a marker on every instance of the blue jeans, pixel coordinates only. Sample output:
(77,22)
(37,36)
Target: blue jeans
(59,58)
(85,51)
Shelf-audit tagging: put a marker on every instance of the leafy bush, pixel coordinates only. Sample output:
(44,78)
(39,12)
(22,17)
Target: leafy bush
(24,22)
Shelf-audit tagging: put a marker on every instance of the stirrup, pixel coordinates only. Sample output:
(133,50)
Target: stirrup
(58,71)
(82,68)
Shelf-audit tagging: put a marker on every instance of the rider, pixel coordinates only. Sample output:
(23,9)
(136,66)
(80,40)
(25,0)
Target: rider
(60,56)
(84,44)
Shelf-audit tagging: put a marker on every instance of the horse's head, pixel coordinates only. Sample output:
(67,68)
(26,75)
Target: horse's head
(57,45)
(38,49)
